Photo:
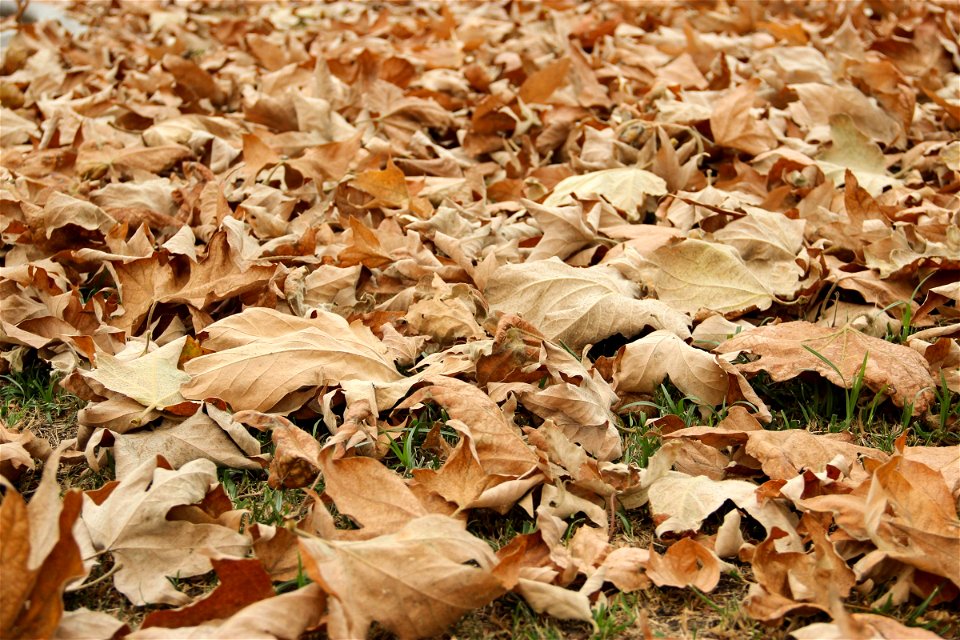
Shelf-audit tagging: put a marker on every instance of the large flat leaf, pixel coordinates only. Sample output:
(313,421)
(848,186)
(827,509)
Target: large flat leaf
(132,525)
(578,306)
(694,275)
(262,355)
(624,188)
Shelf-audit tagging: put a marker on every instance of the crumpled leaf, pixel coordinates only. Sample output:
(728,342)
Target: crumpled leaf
(34,579)
(132,525)
(734,126)
(434,570)
(199,436)
(644,364)
(681,503)
(575,306)
(263,355)
(786,350)
(686,563)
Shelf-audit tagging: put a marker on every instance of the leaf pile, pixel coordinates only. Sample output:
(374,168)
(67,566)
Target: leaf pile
(435,254)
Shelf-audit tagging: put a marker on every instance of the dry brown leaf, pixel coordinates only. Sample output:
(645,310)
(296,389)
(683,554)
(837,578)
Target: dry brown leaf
(644,364)
(694,276)
(785,352)
(573,306)
(434,570)
(296,456)
(386,510)
(734,126)
(243,581)
(680,503)
(263,355)
(149,281)
(152,378)
(686,563)
(32,587)
(498,445)
(793,580)
(131,524)
(868,626)
(197,437)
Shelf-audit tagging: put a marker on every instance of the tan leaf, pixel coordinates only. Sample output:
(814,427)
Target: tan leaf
(386,510)
(734,126)
(681,503)
(868,626)
(296,457)
(498,445)
(287,615)
(695,275)
(556,601)
(180,442)
(911,515)
(432,568)
(132,525)
(31,592)
(263,355)
(82,623)
(61,210)
(573,305)
(388,187)
(624,188)
(793,580)
(785,352)
(853,151)
(645,363)
(243,581)
(153,379)
(685,563)
(146,282)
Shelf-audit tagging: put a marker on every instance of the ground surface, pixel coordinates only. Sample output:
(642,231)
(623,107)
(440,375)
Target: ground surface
(494,320)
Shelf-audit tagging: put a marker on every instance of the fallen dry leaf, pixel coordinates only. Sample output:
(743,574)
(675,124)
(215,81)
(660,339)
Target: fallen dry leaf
(435,570)
(131,524)
(252,347)
(572,305)
(845,354)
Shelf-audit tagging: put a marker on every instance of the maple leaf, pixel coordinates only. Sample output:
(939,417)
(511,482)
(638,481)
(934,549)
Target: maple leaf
(572,305)
(434,570)
(839,355)
(153,379)
(131,524)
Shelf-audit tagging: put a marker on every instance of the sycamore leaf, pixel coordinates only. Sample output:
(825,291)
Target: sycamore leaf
(644,364)
(35,575)
(686,563)
(681,503)
(734,126)
(840,355)
(854,151)
(624,188)
(578,306)
(695,275)
(132,525)
(432,568)
(197,437)
(153,379)
(263,355)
